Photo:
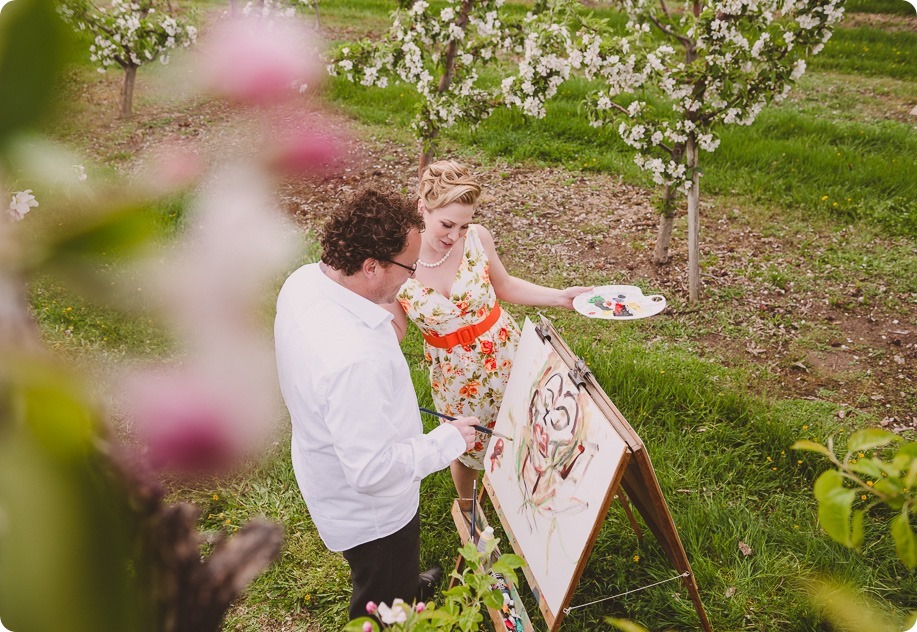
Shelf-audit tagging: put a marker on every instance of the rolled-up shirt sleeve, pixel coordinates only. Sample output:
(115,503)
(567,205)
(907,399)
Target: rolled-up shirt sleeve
(382,453)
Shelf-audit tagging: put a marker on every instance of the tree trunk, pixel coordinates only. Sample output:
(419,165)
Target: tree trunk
(444,80)
(666,220)
(318,22)
(663,239)
(427,156)
(693,222)
(127,94)
(233,9)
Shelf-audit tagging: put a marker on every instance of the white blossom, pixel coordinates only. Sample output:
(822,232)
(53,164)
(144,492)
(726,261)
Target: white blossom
(397,613)
(22,203)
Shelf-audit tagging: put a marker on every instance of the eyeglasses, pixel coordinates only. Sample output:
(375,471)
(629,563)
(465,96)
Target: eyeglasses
(411,269)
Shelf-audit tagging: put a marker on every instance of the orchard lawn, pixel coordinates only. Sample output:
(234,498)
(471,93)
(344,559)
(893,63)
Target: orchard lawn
(805,329)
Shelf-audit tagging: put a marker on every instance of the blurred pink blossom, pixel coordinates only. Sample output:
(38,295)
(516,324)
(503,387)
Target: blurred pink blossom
(367,626)
(183,422)
(371,607)
(255,61)
(172,167)
(420,607)
(220,271)
(298,146)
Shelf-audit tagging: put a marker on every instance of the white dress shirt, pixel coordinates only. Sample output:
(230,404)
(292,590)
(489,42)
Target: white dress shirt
(358,448)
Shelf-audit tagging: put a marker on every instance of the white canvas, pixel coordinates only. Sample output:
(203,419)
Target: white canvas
(551,480)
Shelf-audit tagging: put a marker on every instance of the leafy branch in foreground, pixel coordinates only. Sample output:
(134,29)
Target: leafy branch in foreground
(461,607)
(873,481)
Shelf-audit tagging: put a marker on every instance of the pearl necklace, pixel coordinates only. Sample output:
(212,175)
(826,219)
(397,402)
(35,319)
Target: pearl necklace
(438,263)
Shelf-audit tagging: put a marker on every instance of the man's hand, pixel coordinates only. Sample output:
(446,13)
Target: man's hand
(465,425)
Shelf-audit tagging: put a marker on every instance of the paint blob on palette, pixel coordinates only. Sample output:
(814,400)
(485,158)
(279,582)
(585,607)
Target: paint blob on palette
(618,302)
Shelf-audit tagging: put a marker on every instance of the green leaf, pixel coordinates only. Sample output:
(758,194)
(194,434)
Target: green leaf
(357,625)
(869,467)
(870,438)
(891,486)
(905,540)
(33,49)
(834,510)
(856,533)
(516,561)
(810,446)
(118,232)
(493,599)
(435,614)
(827,482)
(908,449)
(626,625)
(910,477)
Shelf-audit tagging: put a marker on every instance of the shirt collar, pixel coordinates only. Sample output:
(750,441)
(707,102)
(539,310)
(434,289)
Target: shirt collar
(364,309)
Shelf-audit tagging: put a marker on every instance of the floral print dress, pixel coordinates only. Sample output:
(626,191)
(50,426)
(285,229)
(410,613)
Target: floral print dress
(466,380)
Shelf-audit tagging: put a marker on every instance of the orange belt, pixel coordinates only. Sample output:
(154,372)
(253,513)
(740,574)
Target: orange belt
(467,334)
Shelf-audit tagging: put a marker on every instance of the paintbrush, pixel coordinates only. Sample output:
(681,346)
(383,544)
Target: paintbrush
(477,427)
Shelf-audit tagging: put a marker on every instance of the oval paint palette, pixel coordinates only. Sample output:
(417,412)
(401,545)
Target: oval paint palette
(618,302)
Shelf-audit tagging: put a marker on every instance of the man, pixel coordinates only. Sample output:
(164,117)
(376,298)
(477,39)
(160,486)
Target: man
(358,448)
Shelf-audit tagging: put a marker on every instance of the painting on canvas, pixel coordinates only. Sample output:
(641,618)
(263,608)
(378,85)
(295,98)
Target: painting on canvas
(553,478)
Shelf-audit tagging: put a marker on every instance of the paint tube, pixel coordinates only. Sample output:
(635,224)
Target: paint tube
(486,536)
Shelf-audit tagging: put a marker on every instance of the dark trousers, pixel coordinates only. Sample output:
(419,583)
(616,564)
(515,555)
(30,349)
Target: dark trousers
(384,569)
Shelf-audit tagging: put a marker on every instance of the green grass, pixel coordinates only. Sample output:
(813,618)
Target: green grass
(870,51)
(826,155)
(850,170)
(898,7)
(714,445)
(723,462)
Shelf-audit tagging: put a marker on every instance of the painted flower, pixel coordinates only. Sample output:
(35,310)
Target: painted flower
(490,363)
(462,306)
(487,347)
(503,334)
(21,204)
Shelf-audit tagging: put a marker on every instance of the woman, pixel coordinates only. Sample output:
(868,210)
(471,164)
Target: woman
(453,297)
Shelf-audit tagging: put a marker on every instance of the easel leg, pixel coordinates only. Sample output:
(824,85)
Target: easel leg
(460,561)
(630,516)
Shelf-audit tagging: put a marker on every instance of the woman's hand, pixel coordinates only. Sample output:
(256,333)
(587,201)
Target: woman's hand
(567,296)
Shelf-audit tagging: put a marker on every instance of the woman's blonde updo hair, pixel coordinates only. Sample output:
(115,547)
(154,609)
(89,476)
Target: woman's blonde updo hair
(446,181)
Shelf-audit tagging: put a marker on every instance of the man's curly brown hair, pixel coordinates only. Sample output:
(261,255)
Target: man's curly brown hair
(372,224)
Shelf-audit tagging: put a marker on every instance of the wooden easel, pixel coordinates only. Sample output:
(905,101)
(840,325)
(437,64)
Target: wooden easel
(635,475)
(463,525)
